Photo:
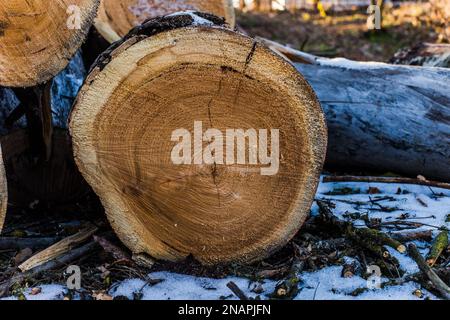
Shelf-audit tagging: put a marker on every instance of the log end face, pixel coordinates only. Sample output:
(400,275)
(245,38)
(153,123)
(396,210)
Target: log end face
(38,38)
(154,144)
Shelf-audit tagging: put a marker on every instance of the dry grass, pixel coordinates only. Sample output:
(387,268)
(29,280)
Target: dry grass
(346,34)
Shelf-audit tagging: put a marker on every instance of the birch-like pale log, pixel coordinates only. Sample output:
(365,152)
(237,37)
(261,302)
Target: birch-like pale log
(385,117)
(380,116)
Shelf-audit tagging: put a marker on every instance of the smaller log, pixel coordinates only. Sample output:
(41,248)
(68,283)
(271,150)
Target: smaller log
(38,38)
(439,245)
(58,249)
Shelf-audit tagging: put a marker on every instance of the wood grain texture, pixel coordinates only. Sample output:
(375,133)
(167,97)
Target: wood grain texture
(35,41)
(165,75)
(58,249)
(117,17)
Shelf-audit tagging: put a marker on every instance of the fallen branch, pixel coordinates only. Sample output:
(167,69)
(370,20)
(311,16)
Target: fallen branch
(439,245)
(440,285)
(237,291)
(51,265)
(115,251)
(399,180)
(58,248)
(369,238)
(289,53)
(426,235)
(288,288)
(23,243)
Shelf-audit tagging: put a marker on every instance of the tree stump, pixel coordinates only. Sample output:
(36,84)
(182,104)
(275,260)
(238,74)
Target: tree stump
(117,17)
(38,38)
(166,77)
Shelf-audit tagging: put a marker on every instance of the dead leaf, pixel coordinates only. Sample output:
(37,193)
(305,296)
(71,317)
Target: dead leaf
(36,291)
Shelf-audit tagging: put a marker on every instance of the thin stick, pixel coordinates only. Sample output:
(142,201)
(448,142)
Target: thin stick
(51,265)
(58,249)
(399,180)
(289,53)
(440,285)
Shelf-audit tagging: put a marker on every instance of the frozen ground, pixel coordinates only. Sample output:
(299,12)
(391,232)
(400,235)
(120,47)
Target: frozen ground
(429,206)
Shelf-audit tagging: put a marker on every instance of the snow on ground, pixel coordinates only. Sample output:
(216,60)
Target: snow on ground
(429,206)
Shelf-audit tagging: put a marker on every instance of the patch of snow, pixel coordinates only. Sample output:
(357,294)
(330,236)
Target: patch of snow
(48,292)
(324,284)
(182,287)
(198,21)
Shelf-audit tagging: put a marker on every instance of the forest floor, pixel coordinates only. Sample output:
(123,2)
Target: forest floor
(326,263)
(346,34)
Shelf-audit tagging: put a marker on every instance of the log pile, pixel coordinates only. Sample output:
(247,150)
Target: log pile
(189,77)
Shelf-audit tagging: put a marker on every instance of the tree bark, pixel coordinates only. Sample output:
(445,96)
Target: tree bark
(122,122)
(385,117)
(114,22)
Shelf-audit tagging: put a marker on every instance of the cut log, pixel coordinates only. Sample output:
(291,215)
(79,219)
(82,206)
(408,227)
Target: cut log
(117,17)
(38,38)
(385,117)
(424,54)
(166,77)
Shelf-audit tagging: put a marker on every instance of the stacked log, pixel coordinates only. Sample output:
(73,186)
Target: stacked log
(38,39)
(117,17)
(164,78)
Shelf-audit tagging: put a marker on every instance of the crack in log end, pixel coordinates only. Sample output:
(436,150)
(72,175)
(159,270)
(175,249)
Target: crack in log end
(244,71)
(250,55)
